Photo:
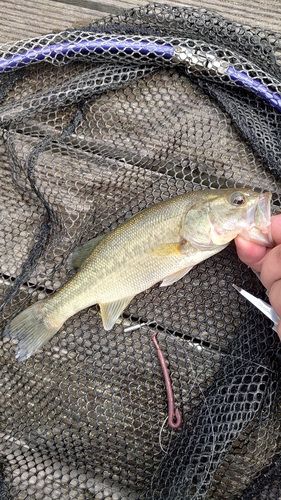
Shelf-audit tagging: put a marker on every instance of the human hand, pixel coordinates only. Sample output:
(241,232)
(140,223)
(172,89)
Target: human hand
(267,261)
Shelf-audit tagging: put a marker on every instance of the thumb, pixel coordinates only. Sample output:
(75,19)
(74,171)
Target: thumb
(250,253)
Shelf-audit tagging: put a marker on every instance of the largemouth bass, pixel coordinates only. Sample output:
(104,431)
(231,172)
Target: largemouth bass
(160,243)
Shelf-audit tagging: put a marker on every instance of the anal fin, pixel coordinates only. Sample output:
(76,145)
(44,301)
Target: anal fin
(111,311)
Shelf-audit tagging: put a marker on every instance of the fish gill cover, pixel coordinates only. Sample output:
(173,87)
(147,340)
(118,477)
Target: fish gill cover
(98,123)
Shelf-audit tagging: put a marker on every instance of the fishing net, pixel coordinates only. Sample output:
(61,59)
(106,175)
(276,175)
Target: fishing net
(88,139)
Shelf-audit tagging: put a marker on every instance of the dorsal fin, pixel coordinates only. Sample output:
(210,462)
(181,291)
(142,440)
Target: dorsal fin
(80,254)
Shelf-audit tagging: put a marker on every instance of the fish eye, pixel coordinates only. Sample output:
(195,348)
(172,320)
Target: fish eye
(237,199)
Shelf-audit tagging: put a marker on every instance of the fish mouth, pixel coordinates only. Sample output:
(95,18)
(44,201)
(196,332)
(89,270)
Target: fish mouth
(259,220)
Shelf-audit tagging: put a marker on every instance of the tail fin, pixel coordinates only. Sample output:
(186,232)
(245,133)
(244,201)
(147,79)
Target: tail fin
(33,328)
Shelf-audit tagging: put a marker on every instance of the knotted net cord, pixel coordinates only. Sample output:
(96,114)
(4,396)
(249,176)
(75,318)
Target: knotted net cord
(86,143)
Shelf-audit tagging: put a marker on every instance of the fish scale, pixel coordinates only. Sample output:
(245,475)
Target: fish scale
(159,244)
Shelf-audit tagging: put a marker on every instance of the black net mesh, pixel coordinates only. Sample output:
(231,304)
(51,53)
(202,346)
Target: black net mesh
(84,146)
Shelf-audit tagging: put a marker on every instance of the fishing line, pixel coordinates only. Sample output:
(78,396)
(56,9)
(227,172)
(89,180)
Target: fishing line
(160,435)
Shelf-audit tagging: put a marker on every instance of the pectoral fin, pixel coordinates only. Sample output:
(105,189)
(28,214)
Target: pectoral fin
(167,249)
(111,311)
(81,253)
(172,278)
(173,249)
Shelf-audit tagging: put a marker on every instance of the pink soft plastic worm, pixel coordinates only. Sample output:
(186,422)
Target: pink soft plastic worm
(174,414)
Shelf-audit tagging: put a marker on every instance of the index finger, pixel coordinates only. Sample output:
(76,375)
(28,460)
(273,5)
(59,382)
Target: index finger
(271,268)
(276,228)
